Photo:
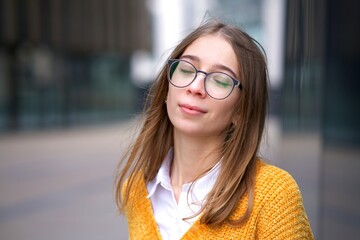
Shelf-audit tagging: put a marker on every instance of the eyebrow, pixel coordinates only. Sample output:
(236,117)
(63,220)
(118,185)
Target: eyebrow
(219,66)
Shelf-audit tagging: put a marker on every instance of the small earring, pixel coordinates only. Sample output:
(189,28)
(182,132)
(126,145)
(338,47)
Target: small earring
(166,101)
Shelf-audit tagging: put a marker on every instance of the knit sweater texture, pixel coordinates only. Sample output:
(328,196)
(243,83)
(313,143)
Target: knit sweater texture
(278,212)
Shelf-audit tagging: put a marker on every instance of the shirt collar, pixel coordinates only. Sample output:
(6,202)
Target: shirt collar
(163,175)
(200,189)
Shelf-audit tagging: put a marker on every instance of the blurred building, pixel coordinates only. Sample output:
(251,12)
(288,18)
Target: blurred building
(67,62)
(320,116)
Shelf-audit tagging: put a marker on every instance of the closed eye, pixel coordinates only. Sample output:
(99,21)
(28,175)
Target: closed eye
(222,84)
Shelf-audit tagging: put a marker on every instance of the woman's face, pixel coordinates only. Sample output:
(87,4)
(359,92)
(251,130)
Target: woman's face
(190,109)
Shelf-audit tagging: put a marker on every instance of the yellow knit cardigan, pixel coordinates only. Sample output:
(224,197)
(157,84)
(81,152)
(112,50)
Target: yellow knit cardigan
(278,212)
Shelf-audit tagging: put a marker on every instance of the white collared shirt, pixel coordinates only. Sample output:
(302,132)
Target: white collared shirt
(168,214)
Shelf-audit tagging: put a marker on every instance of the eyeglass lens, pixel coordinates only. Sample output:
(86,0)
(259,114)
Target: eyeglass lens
(217,85)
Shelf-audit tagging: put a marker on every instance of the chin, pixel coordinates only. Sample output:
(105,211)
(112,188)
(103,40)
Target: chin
(196,131)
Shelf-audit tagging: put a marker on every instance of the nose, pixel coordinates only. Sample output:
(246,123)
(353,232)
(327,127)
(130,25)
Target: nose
(197,87)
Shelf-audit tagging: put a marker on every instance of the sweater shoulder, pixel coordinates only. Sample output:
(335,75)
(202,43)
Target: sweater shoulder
(273,184)
(270,176)
(278,206)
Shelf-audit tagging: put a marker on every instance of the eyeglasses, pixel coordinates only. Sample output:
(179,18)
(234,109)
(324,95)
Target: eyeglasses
(218,85)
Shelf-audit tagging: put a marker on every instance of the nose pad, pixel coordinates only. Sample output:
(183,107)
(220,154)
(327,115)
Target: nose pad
(197,87)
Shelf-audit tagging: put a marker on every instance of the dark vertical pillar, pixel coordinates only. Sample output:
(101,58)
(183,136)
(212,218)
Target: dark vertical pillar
(326,100)
(12,44)
(302,100)
(341,123)
(341,112)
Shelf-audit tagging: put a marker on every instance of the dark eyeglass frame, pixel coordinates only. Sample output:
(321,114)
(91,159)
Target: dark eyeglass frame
(235,81)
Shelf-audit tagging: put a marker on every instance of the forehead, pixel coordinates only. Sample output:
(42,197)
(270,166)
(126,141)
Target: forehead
(212,50)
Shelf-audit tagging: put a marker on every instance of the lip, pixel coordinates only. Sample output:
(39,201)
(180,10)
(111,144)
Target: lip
(190,109)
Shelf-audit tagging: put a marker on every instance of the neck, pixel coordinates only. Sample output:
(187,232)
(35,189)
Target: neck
(193,156)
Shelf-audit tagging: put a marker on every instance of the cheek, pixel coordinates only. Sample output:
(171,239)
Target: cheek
(169,96)
(170,101)
(226,116)
(227,113)
(171,92)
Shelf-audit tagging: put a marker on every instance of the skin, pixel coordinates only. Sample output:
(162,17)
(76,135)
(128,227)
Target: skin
(199,120)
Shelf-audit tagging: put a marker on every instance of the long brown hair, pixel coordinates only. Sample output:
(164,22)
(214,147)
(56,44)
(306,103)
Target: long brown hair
(241,144)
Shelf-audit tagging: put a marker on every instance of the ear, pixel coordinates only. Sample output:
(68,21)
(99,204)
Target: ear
(235,120)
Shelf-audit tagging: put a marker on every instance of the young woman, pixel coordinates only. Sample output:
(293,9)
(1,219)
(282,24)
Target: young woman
(193,171)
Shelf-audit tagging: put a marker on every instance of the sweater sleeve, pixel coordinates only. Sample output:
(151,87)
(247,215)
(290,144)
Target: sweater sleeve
(282,214)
